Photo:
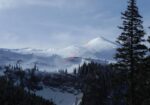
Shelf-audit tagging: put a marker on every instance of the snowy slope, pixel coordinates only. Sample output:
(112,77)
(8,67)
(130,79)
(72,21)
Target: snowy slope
(59,97)
(100,48)
(39,52)
(99,44)
(92,49)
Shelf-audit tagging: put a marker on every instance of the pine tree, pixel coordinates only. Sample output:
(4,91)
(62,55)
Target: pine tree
(33,80)
(148,39)
(131,52)
(146,78)
(96,84)
(148,57)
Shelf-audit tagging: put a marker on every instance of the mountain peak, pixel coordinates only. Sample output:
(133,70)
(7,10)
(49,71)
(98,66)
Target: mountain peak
(100,43)
(96,40)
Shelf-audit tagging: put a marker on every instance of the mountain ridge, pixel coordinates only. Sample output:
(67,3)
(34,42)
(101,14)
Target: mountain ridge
(66,58)
(93,46)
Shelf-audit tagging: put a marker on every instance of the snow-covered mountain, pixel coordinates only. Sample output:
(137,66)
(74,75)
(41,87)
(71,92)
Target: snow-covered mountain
(98,50)
(99,44)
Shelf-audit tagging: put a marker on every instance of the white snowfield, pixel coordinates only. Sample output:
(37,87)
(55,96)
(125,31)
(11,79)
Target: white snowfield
(59,97)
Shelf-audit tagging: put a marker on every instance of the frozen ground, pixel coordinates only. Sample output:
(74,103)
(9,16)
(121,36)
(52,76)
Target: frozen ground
(59,97)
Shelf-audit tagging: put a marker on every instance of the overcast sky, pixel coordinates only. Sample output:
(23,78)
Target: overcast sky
(59,23)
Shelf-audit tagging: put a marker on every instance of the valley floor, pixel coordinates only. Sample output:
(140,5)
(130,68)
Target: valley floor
(58,96)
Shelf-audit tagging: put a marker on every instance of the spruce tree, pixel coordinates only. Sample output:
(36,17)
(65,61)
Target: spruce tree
(146,81)
(96,83)
(131,51)
(149,39)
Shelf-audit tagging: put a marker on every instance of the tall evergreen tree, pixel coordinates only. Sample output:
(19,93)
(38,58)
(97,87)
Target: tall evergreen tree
(146,76)
(95,80)
(33,80)
(149,39)
(131,52)
(148,57)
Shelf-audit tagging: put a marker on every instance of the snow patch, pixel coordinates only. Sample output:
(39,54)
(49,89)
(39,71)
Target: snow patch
(59,97)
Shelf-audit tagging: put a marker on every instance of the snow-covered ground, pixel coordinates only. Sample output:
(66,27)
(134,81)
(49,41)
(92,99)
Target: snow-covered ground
(59,97)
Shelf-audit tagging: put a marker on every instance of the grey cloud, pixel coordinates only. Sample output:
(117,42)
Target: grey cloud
(6,4)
